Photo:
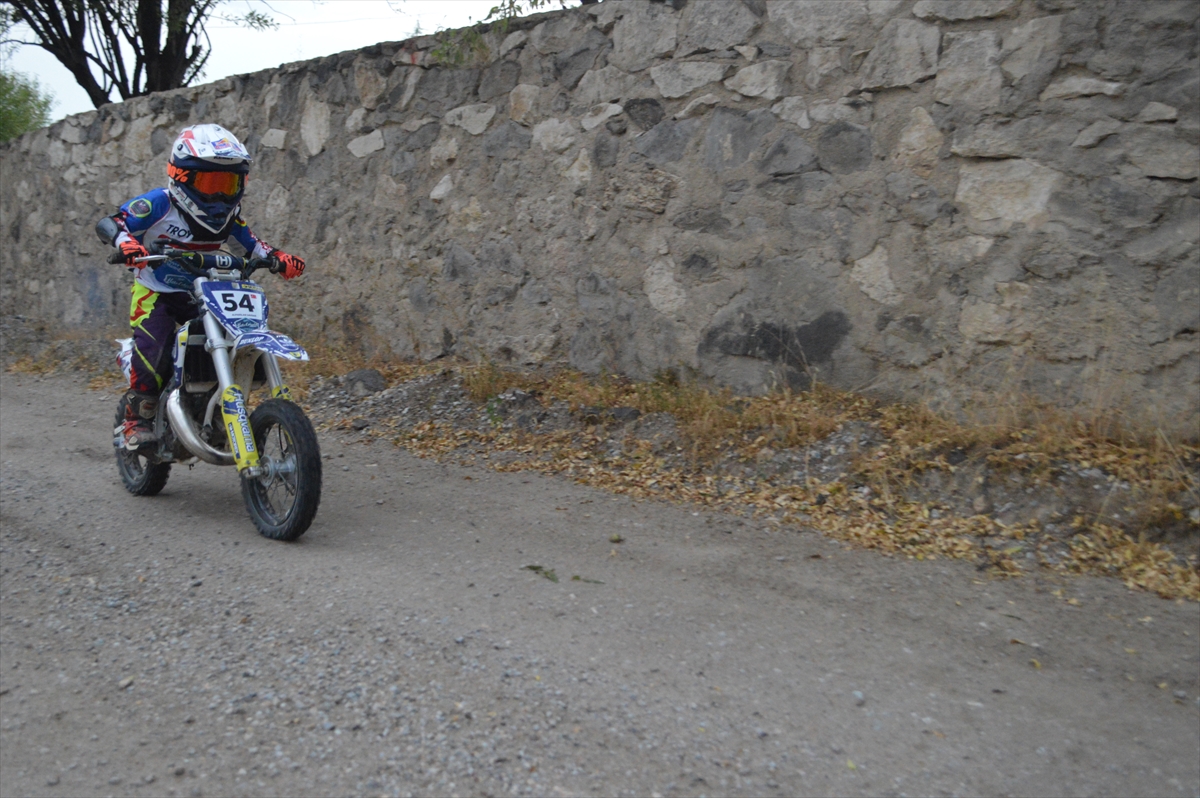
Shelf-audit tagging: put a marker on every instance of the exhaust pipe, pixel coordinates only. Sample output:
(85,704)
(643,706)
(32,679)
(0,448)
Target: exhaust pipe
(185,430)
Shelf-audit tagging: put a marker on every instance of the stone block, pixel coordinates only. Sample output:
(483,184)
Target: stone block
(645,113)
(604,85)
(1031,50)
(554,135)
(1078,86)
(968,71)
(1157,112)
(523,103)
(314,126)
(1161,152)
(823,62)
(1007,192)
(789,155)
(698,106)
(648,191)
(905,52)
(733,135)
(363,146)
(274,138)
(844,147)
(767,79)
(665,293)
(442,189)
(919,145)
(573,63)
(680,78)
(372,84)
(959,10)
(996,139)
(875,278)
(667,141)
(472,118)
(709,25)
(506,140)
(559,34)
(500,78)
(793,110)
(645,32)
(605,150)
(818,21)
(599,114)
(444,150)
(1096,132)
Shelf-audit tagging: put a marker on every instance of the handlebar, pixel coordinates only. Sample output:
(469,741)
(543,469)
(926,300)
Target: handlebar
(199,263)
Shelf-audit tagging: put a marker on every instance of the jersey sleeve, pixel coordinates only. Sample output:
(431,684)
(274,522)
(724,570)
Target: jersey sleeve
(255,247)
(140,213)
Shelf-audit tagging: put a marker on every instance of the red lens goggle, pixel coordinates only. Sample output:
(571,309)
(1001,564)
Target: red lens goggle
(209,184)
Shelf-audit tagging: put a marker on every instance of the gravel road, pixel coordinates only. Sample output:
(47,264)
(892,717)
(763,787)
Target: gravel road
(161,647)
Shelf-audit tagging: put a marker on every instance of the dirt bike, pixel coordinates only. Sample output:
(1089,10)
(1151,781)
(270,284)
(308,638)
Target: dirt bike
(218,357)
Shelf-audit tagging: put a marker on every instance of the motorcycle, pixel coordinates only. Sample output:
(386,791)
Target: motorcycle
(218,357)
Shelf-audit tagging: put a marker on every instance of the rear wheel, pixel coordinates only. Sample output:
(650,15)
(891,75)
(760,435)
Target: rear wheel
(140,476)
(283,502)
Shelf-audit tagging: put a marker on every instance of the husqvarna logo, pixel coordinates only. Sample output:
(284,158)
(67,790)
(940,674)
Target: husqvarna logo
(224,261)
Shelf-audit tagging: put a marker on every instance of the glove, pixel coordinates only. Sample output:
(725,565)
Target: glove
(292,266)
(132,250)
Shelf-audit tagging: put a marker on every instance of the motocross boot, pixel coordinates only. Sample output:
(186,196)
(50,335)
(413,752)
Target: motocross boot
(140,410)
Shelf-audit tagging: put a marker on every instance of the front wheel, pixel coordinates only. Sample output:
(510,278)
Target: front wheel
(141,475)
(283,501)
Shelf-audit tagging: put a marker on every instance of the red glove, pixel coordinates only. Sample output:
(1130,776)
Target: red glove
(292,265)
(132,250)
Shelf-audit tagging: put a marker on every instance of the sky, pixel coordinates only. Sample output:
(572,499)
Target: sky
(307,29)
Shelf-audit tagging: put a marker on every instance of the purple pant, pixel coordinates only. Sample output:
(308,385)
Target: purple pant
(154,318)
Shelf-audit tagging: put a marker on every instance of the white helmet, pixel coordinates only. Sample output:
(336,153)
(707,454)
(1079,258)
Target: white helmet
(207,171)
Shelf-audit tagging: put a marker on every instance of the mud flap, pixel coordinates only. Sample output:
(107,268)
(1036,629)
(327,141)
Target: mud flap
(237,427)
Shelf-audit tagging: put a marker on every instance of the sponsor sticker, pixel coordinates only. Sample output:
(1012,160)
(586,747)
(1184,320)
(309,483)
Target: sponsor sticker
(140,208)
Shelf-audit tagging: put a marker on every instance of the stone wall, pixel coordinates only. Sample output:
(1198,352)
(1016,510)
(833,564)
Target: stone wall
(930,199)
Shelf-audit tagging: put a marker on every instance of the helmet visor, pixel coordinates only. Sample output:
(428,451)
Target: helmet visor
(218,184)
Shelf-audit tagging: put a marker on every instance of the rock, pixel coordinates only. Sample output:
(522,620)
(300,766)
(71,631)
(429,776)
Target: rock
(1159,152)
(444,150)
(958,10)
(789,155)
(905,52)
(678,79)
(646,31)
(1008,191)
(559,34)
(604,85)
(844,147)
(702,220)
(616,126)
(995,140)
(1175,237)
(698,106)
(917,200)
(579,173)
(1096,132)
(605,150)
(472,118)
(767,79)
(554,135)
(512,41)
(747,51)
(1077,86)
(818,21)
(365,145)
(793,110)
(354,122)
(709,25)
(314,126)
(442,189)
(1157,112)
(599,114)
(413,125)
(506,137)
(1031,49)
(874,278)
(410,88)
(733,135)
(665,293)
(645,113)
(572,64)
(648,192)
(274,138)
(968,71)
(523,103)
(823,62)
(371,83)
(666,141)
(919,145)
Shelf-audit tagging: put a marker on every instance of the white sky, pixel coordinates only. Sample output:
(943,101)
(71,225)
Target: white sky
(307,29)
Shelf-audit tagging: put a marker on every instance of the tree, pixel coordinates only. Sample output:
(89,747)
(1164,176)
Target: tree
(23,104)
(133,46)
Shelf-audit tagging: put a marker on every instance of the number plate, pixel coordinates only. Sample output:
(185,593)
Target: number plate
(240,306)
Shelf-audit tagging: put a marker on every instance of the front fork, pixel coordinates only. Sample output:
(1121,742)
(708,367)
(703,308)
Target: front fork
(233,400)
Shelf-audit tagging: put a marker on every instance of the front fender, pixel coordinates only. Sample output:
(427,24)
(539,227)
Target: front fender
(273,342)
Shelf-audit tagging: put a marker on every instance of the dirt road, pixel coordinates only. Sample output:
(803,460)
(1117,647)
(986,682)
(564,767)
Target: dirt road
(161,647)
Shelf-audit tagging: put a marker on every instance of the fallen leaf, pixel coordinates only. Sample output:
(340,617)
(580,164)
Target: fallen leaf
(1018,641)
(1035,664)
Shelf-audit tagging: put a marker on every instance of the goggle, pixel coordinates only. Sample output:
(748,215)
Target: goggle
(209,184)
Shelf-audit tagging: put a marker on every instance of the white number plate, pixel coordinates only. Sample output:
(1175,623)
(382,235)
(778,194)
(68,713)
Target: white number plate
(240,304)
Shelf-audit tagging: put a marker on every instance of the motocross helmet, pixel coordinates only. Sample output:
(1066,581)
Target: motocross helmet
(207,171)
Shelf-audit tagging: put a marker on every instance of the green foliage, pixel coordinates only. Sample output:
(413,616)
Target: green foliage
(23,104)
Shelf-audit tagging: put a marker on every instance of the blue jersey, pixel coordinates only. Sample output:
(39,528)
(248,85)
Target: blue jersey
(153,217)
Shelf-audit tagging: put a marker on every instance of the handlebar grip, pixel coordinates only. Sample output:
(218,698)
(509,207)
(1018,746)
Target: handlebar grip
(116,257)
